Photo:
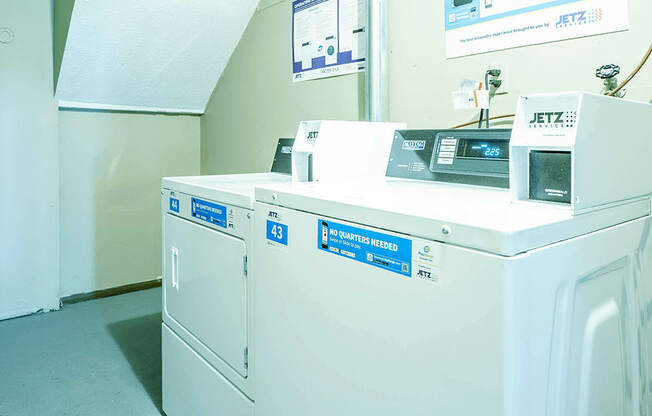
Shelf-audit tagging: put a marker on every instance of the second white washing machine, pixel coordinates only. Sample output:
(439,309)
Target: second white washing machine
(441,292)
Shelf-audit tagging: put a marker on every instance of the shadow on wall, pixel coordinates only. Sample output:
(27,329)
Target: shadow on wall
(139,340)
(362,97)
(127,221)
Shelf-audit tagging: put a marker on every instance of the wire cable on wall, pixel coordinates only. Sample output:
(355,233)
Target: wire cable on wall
(613,93)
(476,121)
(633,74)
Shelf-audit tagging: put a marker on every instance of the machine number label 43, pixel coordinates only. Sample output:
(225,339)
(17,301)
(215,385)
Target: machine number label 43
(277,232)
(381,250)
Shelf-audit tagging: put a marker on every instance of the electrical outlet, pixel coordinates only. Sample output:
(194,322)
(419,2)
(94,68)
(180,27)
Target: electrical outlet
(504,86)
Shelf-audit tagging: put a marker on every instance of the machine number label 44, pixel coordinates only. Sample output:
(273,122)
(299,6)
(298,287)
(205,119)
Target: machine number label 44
(381,250)
(174,205)
(277,232)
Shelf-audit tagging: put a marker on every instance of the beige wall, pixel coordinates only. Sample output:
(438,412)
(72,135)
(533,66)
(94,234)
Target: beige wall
(111,170)
(255,101)
(111,166)
(62,14)
(421,79)
(29,166)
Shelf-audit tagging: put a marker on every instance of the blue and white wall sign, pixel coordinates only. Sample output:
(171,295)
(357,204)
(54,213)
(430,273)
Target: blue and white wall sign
(174,205)
(386,251)
(209,211)
(277,232)
(476,26)
(329,38)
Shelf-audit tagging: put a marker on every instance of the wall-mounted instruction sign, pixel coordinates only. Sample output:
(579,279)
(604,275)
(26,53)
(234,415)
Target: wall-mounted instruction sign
(475,26)
(329,38)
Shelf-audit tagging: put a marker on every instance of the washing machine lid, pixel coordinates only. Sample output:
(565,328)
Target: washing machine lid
(236,190)
(469,216)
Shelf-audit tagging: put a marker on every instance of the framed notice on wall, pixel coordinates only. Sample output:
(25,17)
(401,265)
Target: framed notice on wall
(476,26)
(329,38)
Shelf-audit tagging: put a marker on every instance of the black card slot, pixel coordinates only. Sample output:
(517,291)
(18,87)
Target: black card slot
(550,176)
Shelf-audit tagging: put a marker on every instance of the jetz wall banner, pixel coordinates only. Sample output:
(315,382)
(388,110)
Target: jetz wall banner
(476,26)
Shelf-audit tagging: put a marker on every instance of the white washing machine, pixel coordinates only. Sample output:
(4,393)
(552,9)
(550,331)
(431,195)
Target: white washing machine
(208,285)
(442,292)
(207,319)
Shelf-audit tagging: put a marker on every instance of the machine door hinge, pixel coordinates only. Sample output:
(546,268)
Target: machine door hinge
(246,358)
(244,262)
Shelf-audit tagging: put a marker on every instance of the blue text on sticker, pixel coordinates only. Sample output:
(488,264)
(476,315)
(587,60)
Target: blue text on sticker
(377,249)
(209,211)
(174,205)
(277,232)
(414,144)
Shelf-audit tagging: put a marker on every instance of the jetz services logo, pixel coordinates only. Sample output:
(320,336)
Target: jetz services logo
(425,274)
(552,120)
(414,144)
(272,215)
(312,136)
(581,17)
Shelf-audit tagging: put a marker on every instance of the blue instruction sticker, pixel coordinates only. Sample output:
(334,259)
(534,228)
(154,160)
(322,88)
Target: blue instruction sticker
(209,212)
(277,232)
(174,205)
(377,249)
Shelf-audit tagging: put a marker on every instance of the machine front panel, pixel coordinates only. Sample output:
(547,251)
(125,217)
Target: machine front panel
(185,375)
(474,157)
(330,326)
(206,288)
(211,310)
(521,335)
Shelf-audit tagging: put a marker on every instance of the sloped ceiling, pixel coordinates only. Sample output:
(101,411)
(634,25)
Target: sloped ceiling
(149,55)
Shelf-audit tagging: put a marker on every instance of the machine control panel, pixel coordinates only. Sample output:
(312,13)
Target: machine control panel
(476,152)
(476,157)
(283,157)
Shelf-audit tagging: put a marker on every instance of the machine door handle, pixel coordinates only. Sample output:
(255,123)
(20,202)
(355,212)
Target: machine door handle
(175,268)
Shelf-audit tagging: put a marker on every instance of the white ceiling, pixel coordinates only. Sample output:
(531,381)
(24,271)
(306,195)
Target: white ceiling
(149,55)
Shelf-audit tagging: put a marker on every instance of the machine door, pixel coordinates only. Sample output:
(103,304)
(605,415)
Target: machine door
(205,287)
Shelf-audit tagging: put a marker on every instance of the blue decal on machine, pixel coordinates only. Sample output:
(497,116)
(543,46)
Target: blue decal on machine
(377,249)
(277,232)
(209,212)
(174,205)
(414,145)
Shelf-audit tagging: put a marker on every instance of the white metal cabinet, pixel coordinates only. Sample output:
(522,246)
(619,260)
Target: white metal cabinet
(553,331)
(206,288)
(192,387)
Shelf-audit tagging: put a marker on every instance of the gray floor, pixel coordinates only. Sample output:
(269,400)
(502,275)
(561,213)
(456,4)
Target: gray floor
(101,357)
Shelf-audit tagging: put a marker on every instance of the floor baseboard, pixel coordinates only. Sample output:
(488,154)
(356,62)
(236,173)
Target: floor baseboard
(114,291)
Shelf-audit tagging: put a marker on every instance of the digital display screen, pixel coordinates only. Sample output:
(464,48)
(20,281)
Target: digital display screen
(483,149)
